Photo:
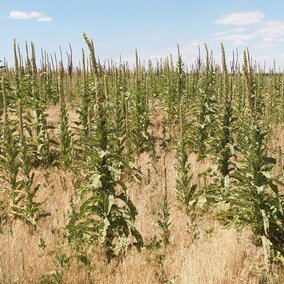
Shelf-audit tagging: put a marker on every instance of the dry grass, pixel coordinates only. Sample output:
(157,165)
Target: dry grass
(225,257)
(213,255)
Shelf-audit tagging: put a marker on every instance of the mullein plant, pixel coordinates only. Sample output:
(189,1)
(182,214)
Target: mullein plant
(186,190)
(84,109)
(50,83)
(164,222)
(254,196)
(66,151)
(239,101)
(70,73)
(9,163)
(120,139)
(16,152)
(172,91)
(205,108)
(275,103)
(22,193)
(225,143)
(27,208)
(140,122)
(103,213)
(169,99)
(85,125)
(181,90)
(42,140)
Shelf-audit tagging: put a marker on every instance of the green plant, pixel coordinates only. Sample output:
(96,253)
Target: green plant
(225,142)
(8,159)
(105,213)
(205,109)
(140,121)
(254,197)
(65,133)
(27,208)
(164,223)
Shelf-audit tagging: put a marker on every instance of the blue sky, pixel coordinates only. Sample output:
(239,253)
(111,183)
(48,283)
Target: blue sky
(154,27)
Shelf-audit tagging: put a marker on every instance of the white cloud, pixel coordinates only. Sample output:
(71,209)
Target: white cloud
(271,30)
(228,32)
(234,36)
(22,15)
(241,18)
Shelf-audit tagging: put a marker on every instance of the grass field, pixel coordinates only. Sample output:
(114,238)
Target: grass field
(157,173)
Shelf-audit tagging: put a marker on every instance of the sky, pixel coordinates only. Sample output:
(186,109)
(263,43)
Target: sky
(153,27)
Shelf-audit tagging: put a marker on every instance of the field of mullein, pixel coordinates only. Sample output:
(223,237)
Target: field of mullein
(158,173)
